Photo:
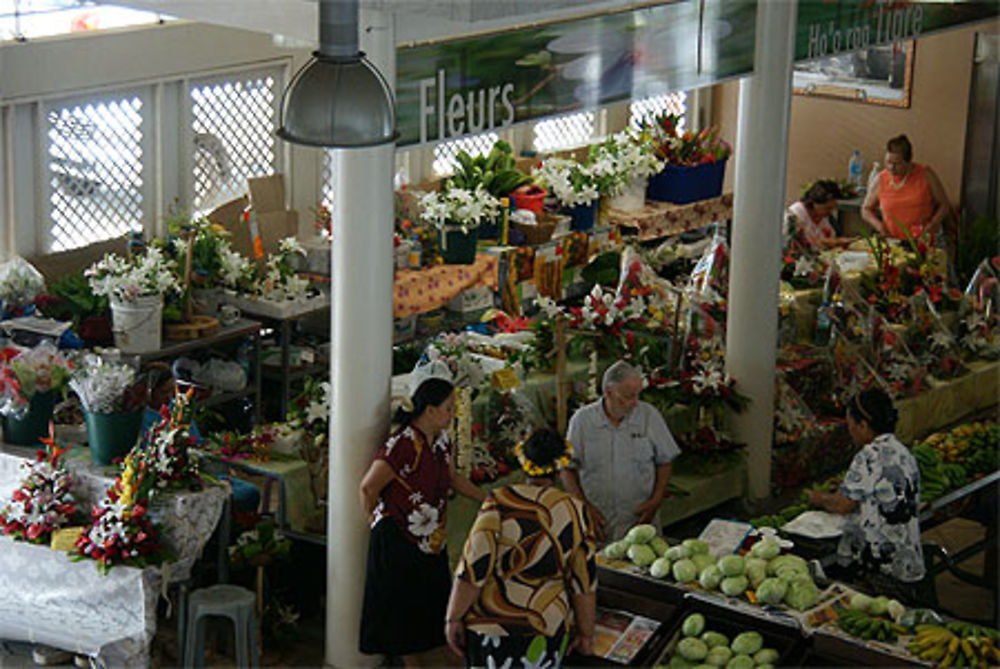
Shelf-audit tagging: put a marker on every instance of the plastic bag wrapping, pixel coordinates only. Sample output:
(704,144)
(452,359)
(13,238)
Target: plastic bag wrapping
(893,361)
(979,323)
(932,341)
(793,419)
(108,383)
(649,296)
(711,273)
(20,283)
(34,370)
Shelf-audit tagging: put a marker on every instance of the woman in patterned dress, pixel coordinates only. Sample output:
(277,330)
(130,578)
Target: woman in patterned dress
(527,566)
(880,496)
(405,496)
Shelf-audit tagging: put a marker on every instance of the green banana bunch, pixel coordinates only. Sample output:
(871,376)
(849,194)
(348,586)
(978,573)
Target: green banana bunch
(860,624)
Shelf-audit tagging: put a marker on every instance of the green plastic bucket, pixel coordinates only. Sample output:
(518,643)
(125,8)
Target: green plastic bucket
(112,435)
(35,424)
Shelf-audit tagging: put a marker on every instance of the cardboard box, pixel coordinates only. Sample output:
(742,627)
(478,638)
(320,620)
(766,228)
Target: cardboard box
(274,222)
(472,299)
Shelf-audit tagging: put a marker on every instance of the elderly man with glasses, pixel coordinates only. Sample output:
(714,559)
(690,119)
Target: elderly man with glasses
(622,452)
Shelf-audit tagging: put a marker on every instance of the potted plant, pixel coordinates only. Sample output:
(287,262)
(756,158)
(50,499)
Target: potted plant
(630,162)
(496,172)
(457,213)
(29,381)
(135,287)
(578,186)
(112,395)
(695,162)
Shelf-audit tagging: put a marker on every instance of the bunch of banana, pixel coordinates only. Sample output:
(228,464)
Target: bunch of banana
(936,476)
(860,624)
(941,644)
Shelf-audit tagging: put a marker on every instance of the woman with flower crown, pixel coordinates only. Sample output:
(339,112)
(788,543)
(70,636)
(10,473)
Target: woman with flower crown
(527,566)
(404,494)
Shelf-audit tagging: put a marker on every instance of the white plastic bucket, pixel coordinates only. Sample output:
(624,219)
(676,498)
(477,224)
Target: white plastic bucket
(137,324)
(632,198)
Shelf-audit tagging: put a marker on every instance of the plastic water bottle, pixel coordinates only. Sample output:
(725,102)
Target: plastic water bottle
(416,250)
(854,170)
(821,336)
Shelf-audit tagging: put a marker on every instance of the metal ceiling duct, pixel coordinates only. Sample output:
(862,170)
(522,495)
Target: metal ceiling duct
(339,99)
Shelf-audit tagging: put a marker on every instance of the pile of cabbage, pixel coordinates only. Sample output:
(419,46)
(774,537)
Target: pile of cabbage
(776,579)
(701,647)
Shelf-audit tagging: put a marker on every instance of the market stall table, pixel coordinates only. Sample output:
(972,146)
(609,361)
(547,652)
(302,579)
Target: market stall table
(113,617)
(663,219)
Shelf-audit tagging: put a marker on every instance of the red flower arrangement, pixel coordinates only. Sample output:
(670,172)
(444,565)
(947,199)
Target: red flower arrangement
(687,147)
(43,502)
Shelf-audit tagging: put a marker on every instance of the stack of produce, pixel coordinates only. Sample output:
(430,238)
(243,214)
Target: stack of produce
(973,446)
(956,644)
(864,618)
(775,579)
(701,647)
(936,477)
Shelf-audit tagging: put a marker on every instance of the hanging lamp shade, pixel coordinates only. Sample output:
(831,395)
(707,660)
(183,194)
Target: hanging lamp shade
(339,99)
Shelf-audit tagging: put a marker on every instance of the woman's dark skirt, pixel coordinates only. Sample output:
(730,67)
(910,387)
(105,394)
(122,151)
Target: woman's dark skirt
(406,595)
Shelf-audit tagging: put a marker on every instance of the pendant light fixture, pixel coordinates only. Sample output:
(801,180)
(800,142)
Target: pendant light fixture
(339,99)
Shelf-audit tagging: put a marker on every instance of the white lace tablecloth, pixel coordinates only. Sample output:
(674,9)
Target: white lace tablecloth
(47,598)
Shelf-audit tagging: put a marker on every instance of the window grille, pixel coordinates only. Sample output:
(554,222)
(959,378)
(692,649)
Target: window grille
(94,170)
(445,152)
(669,102)
(326,185)
(233,119)
(564,132)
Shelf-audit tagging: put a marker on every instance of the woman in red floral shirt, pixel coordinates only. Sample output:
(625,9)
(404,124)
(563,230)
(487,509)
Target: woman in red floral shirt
(404,493)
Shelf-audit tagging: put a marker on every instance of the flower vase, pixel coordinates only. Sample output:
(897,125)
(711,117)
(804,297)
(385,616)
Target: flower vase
(529,197)
(458,247)
(583,216)
(112,435)
(138,323)
(27,430)
(632,197)
(681,184)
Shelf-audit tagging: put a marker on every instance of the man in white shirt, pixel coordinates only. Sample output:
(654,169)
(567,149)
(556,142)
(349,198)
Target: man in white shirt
(622,450)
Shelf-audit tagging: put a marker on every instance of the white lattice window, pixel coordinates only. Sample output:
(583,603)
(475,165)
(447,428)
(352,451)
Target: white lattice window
(564,132)
(233,118)
(445,152)
(658,104)
(94,169)
(326,180)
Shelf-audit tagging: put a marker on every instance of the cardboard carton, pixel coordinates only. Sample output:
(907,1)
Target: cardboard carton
(274,222)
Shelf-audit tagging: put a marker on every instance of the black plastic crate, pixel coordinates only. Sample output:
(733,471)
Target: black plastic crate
(783,638)
(643,586)
(831,650)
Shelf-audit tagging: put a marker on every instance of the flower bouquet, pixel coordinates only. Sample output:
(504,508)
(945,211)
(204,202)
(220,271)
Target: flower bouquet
(931,342)
(29,381)
(20,283)
(113,398)
(695,162)
(163,458)
(310,413)
(629,162)
(979,326)
(577,186)
(43,502)
(801,266)
(894,362)
(136,288)
(256,445)
(259,546)
(121,531)
(457,213)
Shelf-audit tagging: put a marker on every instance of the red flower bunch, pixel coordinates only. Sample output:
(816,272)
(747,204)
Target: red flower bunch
(43,502)
(687,147)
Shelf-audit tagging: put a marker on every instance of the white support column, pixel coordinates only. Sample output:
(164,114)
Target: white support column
(758,208)
(360,371)
(361,356)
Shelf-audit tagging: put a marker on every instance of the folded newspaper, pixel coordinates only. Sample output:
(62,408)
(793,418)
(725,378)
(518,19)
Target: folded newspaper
(816,525)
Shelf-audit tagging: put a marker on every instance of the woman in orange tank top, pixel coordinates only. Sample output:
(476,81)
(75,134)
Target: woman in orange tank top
(908,195)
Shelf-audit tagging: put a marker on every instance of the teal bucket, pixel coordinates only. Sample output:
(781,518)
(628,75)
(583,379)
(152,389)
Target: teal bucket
(112,435)
(26,431)
(457,247)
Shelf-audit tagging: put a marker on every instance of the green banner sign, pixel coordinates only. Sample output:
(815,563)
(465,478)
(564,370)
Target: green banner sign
(471,85)
(831,27)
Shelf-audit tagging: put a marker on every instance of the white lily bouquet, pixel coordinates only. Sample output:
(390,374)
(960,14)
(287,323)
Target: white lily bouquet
(624,158)
(276,281)
(125,280)
(20,283)
(459,208)
(575,183)
(104,386)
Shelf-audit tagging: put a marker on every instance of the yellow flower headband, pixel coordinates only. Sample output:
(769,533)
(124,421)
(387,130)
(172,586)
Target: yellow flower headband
(532,469)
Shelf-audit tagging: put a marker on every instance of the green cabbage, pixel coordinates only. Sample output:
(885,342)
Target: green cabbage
(802,594)
(766,549)
(756,570)
(616,550)
(861,602)
(710,577)
(772,591)
(660,568)
(696,545)
(693,625)
(659,545)
(702,560)
(793,561)
(641,555)
(734,586)
(741,661)
(895,610)
(879,606)
(678,553)
(713,639)
(684,571)
(766,656)
(692,649)
(640,534)
(731,565)
(678,662)
(747,643)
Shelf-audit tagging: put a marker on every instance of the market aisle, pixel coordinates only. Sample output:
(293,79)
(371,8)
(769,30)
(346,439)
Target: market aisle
(958,597)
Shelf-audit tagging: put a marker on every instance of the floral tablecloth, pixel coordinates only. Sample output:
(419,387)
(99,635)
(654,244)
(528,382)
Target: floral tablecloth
(420,291)
(661,219)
